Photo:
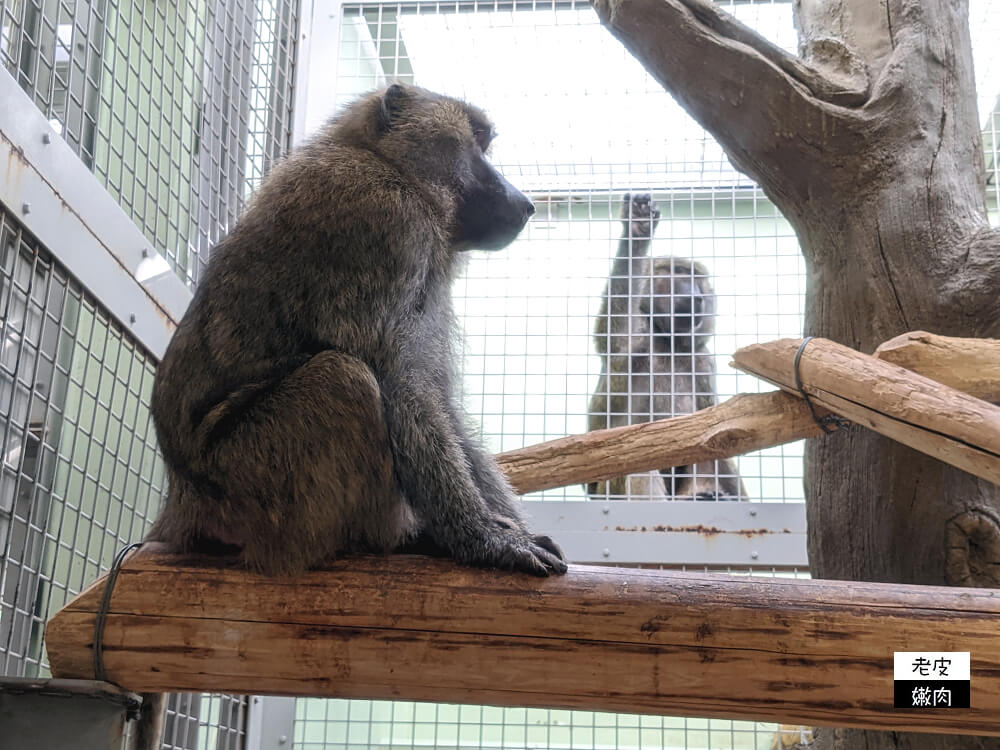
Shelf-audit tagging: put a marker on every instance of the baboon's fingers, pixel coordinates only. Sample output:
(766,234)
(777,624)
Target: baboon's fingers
(546,542)
(715,496)
(553,563)
(527,557)
(522,560)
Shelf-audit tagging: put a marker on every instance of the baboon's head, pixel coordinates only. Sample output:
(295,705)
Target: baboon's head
(443,142)
(685,303)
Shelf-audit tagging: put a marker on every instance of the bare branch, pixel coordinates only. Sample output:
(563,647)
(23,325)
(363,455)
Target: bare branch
(771,111)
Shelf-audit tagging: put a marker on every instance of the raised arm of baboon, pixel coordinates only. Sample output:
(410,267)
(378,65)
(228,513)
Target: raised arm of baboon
(617,329)
(623,338)
(306,405)
(656,318)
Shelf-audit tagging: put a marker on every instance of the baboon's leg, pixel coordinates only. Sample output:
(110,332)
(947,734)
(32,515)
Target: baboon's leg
(305,470)
(708,480)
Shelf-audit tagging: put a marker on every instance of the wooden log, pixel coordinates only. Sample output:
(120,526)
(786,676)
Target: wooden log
(744,423)
(914,410)
(660,642)
(970,365)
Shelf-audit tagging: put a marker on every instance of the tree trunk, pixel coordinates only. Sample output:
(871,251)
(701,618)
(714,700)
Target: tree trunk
(869,143)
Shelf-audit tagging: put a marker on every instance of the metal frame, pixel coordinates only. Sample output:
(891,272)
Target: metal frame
(60,202)
(714,533)
(271,723)
(313,104)
(300,93)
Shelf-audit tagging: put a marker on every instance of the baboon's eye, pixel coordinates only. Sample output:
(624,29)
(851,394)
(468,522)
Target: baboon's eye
(484,136)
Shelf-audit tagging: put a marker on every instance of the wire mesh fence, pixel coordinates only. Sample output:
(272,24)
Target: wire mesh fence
(178,109)
(81,475)
(554,338)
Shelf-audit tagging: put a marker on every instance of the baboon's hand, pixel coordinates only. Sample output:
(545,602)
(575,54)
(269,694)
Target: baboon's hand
(641,216)
(546,542)
(714,496)
(515,550)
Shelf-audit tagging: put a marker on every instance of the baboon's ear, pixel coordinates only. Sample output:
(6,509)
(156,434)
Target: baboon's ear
(389,107)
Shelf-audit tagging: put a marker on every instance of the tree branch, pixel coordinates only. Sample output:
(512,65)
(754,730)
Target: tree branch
(771,111)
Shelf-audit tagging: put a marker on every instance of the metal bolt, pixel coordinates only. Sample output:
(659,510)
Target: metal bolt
(753,513)
(46,138)
(606,509)
(753,555)
(607,553)
(283,739)
(26,208)
(131,317)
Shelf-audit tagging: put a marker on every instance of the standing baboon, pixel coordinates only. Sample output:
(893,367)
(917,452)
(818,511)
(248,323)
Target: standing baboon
(652,333)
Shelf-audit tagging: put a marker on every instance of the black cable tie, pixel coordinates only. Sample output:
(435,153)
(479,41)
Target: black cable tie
(823,422)
(102,611)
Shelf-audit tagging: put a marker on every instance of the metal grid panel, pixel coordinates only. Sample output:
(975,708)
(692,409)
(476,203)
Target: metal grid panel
(357,725)
(81,475)
(79,460)
(178,108)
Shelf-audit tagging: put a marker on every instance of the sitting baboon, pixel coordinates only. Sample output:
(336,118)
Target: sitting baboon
(306,405)
(652,333)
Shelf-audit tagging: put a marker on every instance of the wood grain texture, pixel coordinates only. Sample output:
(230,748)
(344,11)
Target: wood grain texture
(921,413)
(970,365)
(413,628)
(744,423)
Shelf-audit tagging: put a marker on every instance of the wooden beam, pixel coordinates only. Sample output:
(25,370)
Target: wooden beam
(970,365)
(744,423)
(924,414)
(608,639)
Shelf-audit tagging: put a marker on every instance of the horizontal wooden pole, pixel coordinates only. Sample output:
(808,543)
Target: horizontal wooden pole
(744,423)
(970,365)
(607,639)
(924,414)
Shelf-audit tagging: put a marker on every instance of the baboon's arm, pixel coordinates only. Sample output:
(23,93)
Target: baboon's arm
(430,463)
(492,483)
